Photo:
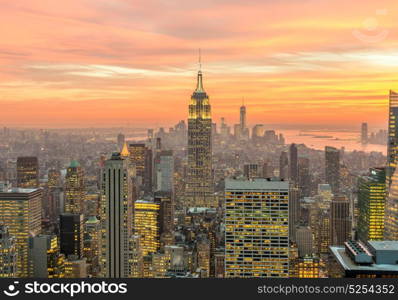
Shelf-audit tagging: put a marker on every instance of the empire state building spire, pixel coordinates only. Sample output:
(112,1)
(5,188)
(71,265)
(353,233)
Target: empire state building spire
(199,83)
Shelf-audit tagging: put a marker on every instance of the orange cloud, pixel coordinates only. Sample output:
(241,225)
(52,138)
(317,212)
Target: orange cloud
(96,62)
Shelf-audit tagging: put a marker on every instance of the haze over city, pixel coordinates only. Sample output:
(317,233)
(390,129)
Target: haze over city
(133,63)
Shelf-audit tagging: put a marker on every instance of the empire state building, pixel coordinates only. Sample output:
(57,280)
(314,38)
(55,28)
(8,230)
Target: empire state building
(199,191)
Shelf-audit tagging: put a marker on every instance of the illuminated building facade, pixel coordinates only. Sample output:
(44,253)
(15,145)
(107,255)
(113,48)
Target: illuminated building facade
(306,267)
(256,228)
(8,254)
(75,267)
(74,189)
(141,158)
(20,211)
(116,214)
(136,262)
(28,172)
(371,203)
(391,220)
(92,243)
(46,260)
(147,225)
(199,190)
(203,256)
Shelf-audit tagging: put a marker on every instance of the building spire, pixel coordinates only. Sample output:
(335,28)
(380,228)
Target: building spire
(125,151)
(200,60)
(199,85)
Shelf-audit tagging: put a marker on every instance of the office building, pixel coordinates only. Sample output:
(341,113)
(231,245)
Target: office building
(391,220)
(147,225)
(8,254)
(293,164)
(74,189)
(116,214)
(71,233)
(45,257)
(304,241)
(20,211)
(332,168)
(306,267)
(304,178)
(141,159)
(256,228)
(340,220)
(75,267)
(164,171)
(27,172)
(364,133)
(284,166)
(371,205)
(251,171)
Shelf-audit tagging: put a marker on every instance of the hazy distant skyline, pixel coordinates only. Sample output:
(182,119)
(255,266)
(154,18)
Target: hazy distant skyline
(90,63)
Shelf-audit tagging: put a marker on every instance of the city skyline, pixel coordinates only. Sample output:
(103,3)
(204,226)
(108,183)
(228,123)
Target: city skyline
(106,64)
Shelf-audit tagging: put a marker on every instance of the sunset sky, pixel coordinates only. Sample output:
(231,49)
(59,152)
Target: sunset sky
(112,62)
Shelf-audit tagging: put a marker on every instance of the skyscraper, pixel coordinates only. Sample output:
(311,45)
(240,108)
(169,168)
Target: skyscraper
(242,118)
(293,164)
(20,211)
(27,172)
(164,171)
(391,221)
(166,211)
(256,228)
(74,189)
(364,133)
(332,168)
(116,217)
(244,131)
(141,158)
(304,178)
(71,232)
(200,186)
(340,220)
(147,225)
(92,243)
(371,204)
(8,254)
(283,165)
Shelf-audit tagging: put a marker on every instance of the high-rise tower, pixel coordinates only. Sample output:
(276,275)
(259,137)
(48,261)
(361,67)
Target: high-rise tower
(74,189)
(116,217)
(332,168)
(391,220)
(200,186)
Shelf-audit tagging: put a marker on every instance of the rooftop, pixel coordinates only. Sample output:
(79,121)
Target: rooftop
(348,264)
(256,184)
(384,245)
